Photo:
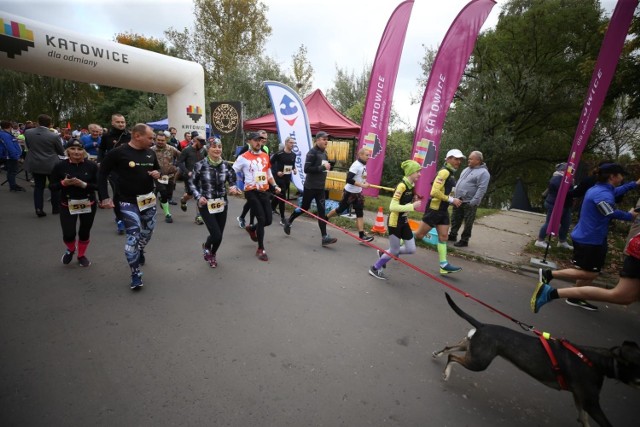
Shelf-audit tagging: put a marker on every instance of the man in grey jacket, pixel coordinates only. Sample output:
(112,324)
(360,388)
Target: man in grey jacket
(471,187)
(44,148)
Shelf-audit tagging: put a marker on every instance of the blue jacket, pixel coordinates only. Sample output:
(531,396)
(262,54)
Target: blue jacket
(89,146)
(595,215)
(9,146)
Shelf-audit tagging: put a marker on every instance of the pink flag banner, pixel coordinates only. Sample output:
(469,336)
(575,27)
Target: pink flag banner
(449,64)
(375,118)
(602,75)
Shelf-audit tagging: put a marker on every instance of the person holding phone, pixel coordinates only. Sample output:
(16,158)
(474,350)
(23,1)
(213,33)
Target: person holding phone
(76,180)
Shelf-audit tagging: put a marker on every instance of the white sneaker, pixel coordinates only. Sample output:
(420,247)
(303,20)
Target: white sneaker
(565,245)
(541,244)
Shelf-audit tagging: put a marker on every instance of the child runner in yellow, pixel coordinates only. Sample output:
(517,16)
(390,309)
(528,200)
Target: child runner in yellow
(398,222)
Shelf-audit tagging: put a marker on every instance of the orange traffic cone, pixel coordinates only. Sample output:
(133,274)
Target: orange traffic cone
(379,227)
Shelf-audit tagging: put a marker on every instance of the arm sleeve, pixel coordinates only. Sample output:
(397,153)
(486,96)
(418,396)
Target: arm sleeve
(395,205)
(350,178)
(57,175)
(181,163)
(437,190)
(193,181)
(309,166)
(103,175)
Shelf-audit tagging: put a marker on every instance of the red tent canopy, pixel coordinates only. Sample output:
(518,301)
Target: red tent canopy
(322,116)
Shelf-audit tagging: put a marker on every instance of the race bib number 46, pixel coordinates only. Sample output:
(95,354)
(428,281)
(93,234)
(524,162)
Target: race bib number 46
(215,205)
(77,207)
(146,201)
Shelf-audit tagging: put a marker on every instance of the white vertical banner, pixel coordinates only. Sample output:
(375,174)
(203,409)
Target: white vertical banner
(292,120)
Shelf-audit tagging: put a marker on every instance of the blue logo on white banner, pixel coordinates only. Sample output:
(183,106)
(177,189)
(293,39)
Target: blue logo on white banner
(292,121)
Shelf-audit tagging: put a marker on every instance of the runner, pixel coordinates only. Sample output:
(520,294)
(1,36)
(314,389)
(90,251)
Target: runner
(403,201)
(207,184)
(255,170)
(136,167)
(77,181)
(166,156)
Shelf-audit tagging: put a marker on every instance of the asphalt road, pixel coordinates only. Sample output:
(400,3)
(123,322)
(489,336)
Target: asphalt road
(306,339)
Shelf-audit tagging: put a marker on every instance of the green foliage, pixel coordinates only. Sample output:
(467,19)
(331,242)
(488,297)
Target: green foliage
(349,92)
(302,72)
(399,145)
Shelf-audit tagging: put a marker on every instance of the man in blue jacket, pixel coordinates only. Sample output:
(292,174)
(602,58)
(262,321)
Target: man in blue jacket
(11,152)
(590,234)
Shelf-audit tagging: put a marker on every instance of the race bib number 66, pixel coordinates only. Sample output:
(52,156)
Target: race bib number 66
(215,205)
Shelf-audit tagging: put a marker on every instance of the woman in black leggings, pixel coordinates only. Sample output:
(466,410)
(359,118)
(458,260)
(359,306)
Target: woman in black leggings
(208,185)
(76,178)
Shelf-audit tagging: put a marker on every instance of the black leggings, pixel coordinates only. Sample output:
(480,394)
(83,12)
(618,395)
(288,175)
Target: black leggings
(307,197)
(68,223)
(215,225)
(283,184)
(260,204)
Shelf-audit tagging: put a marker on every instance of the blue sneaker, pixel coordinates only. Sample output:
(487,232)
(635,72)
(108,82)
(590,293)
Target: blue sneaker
(120,225)
(136,281)
(541,296)
(449,268)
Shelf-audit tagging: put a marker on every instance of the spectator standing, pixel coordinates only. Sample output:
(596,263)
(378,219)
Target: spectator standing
(44,148)
(92,141)
(186,141)
(549,203)
(470,189)
(10,152)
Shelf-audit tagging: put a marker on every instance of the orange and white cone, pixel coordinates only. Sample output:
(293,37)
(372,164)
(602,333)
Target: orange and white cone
(379,227)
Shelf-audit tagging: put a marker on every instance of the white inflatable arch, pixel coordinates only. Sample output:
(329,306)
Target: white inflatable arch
(34,47)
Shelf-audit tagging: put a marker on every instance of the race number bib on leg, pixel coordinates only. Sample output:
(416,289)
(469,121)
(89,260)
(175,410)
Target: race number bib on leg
(215,205)
(77,207)
(164,179)
(146,201)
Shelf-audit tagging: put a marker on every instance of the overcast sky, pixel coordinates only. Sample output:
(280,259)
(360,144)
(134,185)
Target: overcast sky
(343,33)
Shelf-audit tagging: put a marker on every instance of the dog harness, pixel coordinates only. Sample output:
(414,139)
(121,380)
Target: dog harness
(554,361)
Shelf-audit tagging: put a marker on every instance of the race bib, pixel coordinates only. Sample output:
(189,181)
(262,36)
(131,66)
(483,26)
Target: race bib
(164,179)
(146,201)
(287,170)
(260,178)
(215,205)
(77,207)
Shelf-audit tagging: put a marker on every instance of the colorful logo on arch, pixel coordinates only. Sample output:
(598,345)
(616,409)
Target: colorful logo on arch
(15,38)
(194,112)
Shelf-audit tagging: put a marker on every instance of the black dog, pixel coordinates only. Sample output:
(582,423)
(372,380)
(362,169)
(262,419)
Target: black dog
(485,342)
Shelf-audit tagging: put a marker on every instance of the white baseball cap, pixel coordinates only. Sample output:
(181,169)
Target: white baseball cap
(455,153)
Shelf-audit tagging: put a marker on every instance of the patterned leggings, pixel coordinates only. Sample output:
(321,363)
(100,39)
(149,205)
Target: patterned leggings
(139,226)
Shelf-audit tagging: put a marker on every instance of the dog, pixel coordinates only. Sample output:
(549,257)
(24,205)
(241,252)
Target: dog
(485,341)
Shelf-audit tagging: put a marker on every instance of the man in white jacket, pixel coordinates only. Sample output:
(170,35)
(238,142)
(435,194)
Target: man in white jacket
(470,188)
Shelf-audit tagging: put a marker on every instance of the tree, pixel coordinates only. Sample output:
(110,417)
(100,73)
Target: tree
(229,33)
(349,92)
(302,72)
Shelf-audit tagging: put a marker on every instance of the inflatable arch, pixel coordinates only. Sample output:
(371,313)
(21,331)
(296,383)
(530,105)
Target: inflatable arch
(34,47)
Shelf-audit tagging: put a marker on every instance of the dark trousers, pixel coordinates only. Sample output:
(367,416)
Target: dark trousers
(12,172)
(260,204)
(69,222)
(40,181)
(165,190)
(307,197)
(467,214)
(215,225)
(284,185)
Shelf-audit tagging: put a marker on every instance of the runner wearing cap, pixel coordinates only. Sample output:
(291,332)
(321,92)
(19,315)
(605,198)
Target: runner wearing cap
(437,212)
(76,178)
